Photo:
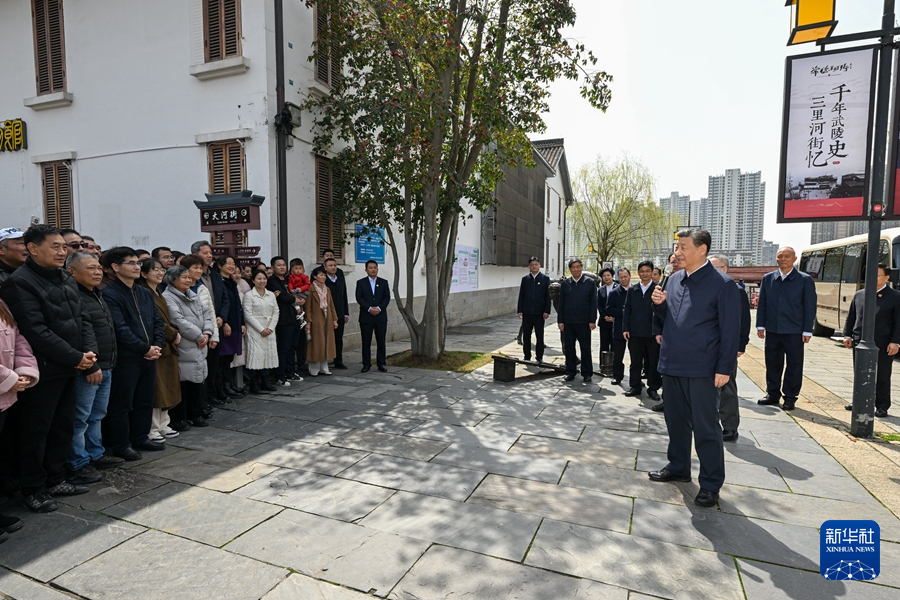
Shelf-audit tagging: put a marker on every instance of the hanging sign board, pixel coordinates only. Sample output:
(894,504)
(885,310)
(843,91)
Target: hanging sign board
(826,136)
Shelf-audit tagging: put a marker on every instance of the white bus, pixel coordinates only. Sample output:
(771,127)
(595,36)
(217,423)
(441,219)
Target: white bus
(838,268)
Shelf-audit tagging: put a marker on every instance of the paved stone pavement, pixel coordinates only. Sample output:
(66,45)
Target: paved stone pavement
(423,485)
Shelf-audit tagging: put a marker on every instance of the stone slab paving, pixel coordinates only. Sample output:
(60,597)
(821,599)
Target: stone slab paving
(194,513)
(171,568)
(358,557)
(416,484)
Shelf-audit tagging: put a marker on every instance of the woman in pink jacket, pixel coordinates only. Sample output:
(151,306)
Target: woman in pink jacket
(18,370)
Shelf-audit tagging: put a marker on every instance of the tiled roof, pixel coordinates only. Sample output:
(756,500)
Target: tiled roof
(551,150)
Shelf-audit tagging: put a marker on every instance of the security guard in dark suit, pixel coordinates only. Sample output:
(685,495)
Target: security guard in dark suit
(614,309)
(605,324)
(638,330)
(373,296)
(887,335)
(534,307)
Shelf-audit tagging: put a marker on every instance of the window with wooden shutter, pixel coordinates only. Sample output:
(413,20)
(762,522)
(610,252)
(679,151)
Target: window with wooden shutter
(329,226)
(226,168)
(221,29)
(49,46)
(58,195)
(327,65)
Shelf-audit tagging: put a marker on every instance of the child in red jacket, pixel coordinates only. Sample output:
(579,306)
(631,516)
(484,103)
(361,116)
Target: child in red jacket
(298,285)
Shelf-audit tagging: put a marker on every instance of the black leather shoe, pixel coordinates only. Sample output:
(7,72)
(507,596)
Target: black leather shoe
(788,405)
(199,422)
(570,378)
(383,369)
(729,436)
(10,524)
(632,392)
(216,402)
(83,476)
(527,359)
(107,462)
(129,454)
(768,401)
(366,369)
(653,394)
(267,387)
(706,498)
(615,382)
(339,366)
(588,379)
(149,446)
(664,475)
(848,407)
(880,413)
(658,407)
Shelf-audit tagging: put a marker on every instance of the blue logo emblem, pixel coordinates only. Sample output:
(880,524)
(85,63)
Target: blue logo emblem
(850,550)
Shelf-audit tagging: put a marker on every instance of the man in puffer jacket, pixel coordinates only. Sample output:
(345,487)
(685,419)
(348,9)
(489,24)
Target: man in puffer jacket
(48,312)
(140,335)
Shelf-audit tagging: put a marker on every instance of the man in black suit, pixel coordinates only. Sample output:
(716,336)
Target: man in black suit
(729,410)
(638,331)
(785,314)
(534,307)
(699,349)
(373,297)
(577,318)
(614,311)
(887,335)
(338,285)
(605,324)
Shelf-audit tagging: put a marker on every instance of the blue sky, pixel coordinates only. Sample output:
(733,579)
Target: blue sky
(698,89)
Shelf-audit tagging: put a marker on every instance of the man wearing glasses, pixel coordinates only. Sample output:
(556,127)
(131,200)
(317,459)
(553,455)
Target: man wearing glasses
(74,241)
(139,340)
(164,256)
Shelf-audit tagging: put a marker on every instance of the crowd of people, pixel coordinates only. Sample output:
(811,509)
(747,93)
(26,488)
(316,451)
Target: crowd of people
(106,354)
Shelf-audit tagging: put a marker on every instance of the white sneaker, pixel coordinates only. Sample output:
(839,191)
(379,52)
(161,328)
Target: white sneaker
(284,383)
(158,439)
(170,434)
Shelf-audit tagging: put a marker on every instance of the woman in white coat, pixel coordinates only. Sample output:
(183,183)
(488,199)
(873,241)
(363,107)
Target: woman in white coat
(260,317)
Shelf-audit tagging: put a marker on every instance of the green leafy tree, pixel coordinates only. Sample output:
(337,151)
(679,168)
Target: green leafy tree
(432,100)
(616,217)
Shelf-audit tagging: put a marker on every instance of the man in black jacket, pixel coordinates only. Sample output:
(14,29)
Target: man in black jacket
(729,411)
(605,324)
(213,282)
(534,307)
(139,339)
(887,335)
(638,330)
(48,312)
(338,285)
(577,318)
(287,320)
(373,296)
(87,454)
(12,252)
(615,310)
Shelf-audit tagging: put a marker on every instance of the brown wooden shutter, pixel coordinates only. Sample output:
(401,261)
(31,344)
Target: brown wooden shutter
(58,195)
(222,29)
(323,64)
(328,226)
(49,46)
(226,168)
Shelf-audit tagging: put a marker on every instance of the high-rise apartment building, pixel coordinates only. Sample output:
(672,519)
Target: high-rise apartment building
(735,209)
(678,205)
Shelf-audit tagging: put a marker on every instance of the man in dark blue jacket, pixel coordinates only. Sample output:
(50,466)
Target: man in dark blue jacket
(605,323)
(697,356)
(887,335)
(785,314)
(638,331)
(373,297)
(577,318)
(614,310)
(139,339)
(534,307)
(729,410)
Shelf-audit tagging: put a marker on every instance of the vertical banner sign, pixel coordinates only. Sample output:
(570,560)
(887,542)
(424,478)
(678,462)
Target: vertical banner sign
(465,270)
(826,136)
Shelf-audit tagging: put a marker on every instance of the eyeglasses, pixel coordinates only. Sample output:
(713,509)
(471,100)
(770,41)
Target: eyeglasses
(133,263)
(77,245)
(160,269)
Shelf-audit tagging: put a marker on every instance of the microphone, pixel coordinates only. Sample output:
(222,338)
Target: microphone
(667,272)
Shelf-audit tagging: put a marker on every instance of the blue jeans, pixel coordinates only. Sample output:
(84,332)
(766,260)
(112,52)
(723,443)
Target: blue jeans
(90,407)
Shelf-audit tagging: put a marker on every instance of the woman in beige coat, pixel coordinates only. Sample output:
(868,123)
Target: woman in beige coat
(321,321)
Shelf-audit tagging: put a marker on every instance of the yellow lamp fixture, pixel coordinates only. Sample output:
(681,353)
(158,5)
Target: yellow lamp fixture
(811,20)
